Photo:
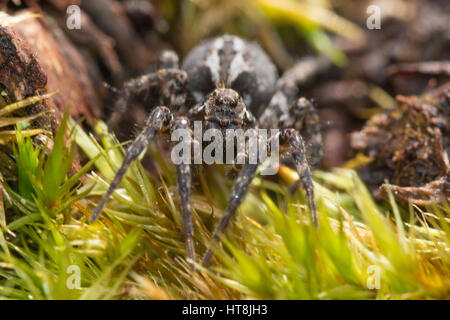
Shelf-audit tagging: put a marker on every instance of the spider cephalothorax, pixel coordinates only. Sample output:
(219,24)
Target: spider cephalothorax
(223,107)
(224,83)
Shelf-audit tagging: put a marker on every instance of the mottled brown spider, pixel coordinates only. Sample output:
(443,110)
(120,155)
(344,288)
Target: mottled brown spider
(226,82)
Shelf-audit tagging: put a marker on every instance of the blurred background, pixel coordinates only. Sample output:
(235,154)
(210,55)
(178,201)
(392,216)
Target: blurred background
(121,39)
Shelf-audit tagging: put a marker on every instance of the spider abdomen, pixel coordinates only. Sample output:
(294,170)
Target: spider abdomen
(231,62)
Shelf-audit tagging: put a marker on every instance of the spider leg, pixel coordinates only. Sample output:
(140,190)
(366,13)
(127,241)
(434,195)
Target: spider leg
(286,111)
(184,185)
(184,189)
(287,91)
(297,150)
(305,70)
(158,121)
(306,120)
(169,78)
(168,59)
(294,116)
(238,193)
(302,116)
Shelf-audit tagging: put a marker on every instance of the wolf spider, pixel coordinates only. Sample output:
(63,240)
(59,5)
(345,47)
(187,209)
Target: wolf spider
(225,82)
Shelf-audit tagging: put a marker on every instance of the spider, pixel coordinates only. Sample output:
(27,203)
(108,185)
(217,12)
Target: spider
(226,82)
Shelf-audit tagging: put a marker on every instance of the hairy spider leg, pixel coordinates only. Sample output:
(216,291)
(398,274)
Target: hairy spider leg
(285,110)
(293,115)
(296,149)
(306,120)
(293,139)
(184,185)
(169,78)
(159,120)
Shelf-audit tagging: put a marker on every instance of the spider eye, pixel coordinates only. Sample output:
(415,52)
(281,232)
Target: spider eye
(219,101)
(233,103)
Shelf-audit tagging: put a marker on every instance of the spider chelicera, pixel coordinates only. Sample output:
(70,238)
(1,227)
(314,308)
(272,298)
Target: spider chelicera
(226,82)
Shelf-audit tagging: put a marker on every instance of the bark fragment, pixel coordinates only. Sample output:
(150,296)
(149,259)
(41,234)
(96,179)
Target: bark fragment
(36,58)
(410,146)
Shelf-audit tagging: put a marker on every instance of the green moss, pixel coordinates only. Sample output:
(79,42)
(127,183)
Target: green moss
(271,250)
